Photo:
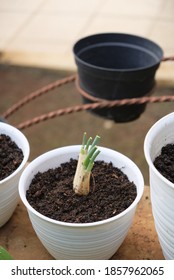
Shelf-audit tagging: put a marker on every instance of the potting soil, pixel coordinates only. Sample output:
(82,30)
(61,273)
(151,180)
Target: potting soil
(11,156)
(51,193)
(165,162)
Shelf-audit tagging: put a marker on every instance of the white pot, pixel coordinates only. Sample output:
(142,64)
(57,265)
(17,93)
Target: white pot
(98,240)
(9,195)
(162,190)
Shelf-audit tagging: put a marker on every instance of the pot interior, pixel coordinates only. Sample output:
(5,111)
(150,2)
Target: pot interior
(118,56)
(118,51)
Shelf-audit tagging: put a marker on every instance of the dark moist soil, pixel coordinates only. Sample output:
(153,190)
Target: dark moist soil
(165,162)
(11,156)
(51,193)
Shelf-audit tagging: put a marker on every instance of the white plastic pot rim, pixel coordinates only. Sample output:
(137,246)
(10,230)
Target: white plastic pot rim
(148,142)
(5,128)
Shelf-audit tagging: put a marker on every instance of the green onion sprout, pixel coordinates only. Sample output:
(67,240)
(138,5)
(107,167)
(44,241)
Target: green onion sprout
(87,156)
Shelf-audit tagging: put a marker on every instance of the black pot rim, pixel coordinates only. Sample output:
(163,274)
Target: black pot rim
(158,54)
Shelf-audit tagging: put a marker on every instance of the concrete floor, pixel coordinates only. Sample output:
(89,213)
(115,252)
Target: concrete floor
(42,32)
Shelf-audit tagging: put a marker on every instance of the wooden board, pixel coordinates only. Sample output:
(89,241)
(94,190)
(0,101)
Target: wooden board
(141,243)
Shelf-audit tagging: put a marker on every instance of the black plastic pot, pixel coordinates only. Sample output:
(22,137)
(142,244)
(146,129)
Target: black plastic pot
(116,66)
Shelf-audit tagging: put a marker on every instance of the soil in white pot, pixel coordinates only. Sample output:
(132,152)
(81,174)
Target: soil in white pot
(164,163)
(11,156)
(51,193)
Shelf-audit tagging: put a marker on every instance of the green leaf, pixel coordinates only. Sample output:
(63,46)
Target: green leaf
(4,255)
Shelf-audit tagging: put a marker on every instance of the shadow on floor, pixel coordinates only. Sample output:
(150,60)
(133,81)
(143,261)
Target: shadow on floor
(128,138)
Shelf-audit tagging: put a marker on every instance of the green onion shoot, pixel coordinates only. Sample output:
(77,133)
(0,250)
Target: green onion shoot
(87,156)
